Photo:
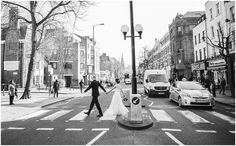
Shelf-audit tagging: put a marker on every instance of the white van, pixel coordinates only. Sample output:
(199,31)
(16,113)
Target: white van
(155,83)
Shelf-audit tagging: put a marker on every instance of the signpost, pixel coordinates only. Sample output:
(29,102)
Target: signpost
(136,109)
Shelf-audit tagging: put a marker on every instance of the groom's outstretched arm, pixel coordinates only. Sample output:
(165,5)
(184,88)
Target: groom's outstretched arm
(102,87)
(90,86)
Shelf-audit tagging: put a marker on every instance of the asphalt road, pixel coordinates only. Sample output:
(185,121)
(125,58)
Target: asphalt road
(65,124)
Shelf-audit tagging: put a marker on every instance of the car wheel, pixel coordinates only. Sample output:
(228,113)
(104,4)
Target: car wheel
(149,94)
(180,102)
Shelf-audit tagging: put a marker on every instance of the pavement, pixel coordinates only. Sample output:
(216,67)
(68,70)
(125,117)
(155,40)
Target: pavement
(41,98)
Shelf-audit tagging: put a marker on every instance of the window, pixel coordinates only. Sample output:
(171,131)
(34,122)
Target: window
(232,14)
(217,9)
(81,66)
(200,54)
(199,38)
(37,65)
(195,37)
(179,29)
(54,65)
(212,31)
(82,53)
(68,65)
(204,52)
(196,55)
(211,14)
(203,36)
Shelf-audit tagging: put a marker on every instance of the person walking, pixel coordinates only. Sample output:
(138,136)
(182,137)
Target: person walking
(222,85)
(81,85)
(55,88)
(95,94)
(12,91)
(116,106)
(208,83)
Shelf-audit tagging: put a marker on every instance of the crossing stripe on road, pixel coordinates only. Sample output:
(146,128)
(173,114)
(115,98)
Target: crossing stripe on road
(35,114)
(45,129)
(223,117)
(206,131)
(56,115)
(80,117)
(161,115)
(15,128)
(193,117)
(73,129)
(106,118)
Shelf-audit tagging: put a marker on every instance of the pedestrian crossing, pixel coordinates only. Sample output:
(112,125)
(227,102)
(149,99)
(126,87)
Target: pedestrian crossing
(160,115)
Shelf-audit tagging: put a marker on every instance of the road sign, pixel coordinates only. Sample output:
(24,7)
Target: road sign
(136,108)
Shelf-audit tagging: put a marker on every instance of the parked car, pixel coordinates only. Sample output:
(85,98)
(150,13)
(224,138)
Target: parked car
(127,81)
(155,83)
(190,93)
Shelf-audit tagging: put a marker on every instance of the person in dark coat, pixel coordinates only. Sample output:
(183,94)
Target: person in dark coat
(55,88)
(81,85)
(208,83)
(95,93)
(222,85)
(12,91)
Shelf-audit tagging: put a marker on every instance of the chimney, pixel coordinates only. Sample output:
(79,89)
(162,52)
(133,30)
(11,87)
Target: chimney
(13,14)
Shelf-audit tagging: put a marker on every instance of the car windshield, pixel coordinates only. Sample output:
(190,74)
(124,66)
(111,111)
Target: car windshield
(153,78)
(191,86)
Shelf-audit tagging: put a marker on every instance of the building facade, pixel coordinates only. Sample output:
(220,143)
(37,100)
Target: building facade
(181,43)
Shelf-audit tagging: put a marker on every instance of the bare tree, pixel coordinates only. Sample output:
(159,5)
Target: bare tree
(223,44)
(39,14)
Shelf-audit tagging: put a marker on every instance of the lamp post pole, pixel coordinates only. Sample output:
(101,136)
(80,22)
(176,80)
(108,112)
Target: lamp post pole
(134,80)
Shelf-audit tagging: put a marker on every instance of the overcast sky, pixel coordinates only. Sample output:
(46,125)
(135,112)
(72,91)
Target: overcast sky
(154,16)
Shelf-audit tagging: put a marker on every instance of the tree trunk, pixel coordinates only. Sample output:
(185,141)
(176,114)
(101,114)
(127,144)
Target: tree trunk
(230,76)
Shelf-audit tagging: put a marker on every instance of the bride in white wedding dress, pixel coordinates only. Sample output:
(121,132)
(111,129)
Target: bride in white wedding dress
(116,107)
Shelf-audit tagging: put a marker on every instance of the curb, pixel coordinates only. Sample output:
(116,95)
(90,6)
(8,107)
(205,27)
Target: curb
(228,104)
(54,102)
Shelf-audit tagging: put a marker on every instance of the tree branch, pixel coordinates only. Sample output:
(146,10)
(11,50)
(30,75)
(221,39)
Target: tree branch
(12,3)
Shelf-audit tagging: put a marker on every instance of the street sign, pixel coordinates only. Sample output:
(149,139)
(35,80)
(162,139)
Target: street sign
(136,108)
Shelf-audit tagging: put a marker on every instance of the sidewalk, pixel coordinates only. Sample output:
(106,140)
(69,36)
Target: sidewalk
(225,99)
(39,99)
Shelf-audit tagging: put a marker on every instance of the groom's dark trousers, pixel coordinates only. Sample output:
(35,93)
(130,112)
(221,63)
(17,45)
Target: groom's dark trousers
(95,93)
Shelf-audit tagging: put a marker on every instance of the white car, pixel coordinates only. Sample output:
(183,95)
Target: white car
(190,93)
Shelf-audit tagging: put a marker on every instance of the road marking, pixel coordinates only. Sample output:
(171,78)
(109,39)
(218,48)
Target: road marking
(206,131)
(80,117)
(149,101)
(173,138)
(104,130)
(193,117)
(161,115)
(166,129)
(232,131)
(15,128)
(56,115)
(103,118)
(45,129)
(73,129)
(223,117)
(35,114)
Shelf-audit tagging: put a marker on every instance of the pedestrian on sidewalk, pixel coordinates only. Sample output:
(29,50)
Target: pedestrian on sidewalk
(55,88)
(81,85)
(208,83)
(12,91)
(222,85)
(213,87)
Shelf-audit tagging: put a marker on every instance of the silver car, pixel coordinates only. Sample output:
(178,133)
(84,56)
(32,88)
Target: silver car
(190,93)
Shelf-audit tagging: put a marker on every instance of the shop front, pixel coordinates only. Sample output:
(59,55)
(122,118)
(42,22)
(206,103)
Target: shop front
(217,69)
(199,69)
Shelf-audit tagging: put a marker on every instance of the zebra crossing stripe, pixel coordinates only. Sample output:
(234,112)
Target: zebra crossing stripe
(193,117)
(15,128)
(206,131)
(35,114)
(232,131)
(223,117)
(80,117)
(45,129)
(56,115)
(161,115)
(104,118)
(73,129)
(167,129)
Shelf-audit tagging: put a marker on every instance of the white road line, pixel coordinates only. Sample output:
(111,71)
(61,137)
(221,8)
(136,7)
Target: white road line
(56,115)
(80,117)
(45,129)
(193,117)
(223,117)
(149,101)
(161,115)
(97,137)
(104,118)
(206,131)
(100,129)
(167,129)
(35,114)
(15,128)
(173,138)
(73,129)
(232,131)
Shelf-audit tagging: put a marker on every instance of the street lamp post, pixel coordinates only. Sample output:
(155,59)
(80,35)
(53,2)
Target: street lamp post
(94,47)
(124,30)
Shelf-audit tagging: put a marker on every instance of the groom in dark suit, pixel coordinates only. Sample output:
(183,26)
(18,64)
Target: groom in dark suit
(95,93)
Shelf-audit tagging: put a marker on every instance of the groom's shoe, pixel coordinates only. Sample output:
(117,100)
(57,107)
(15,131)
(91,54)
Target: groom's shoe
(99,115)
(87,113)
